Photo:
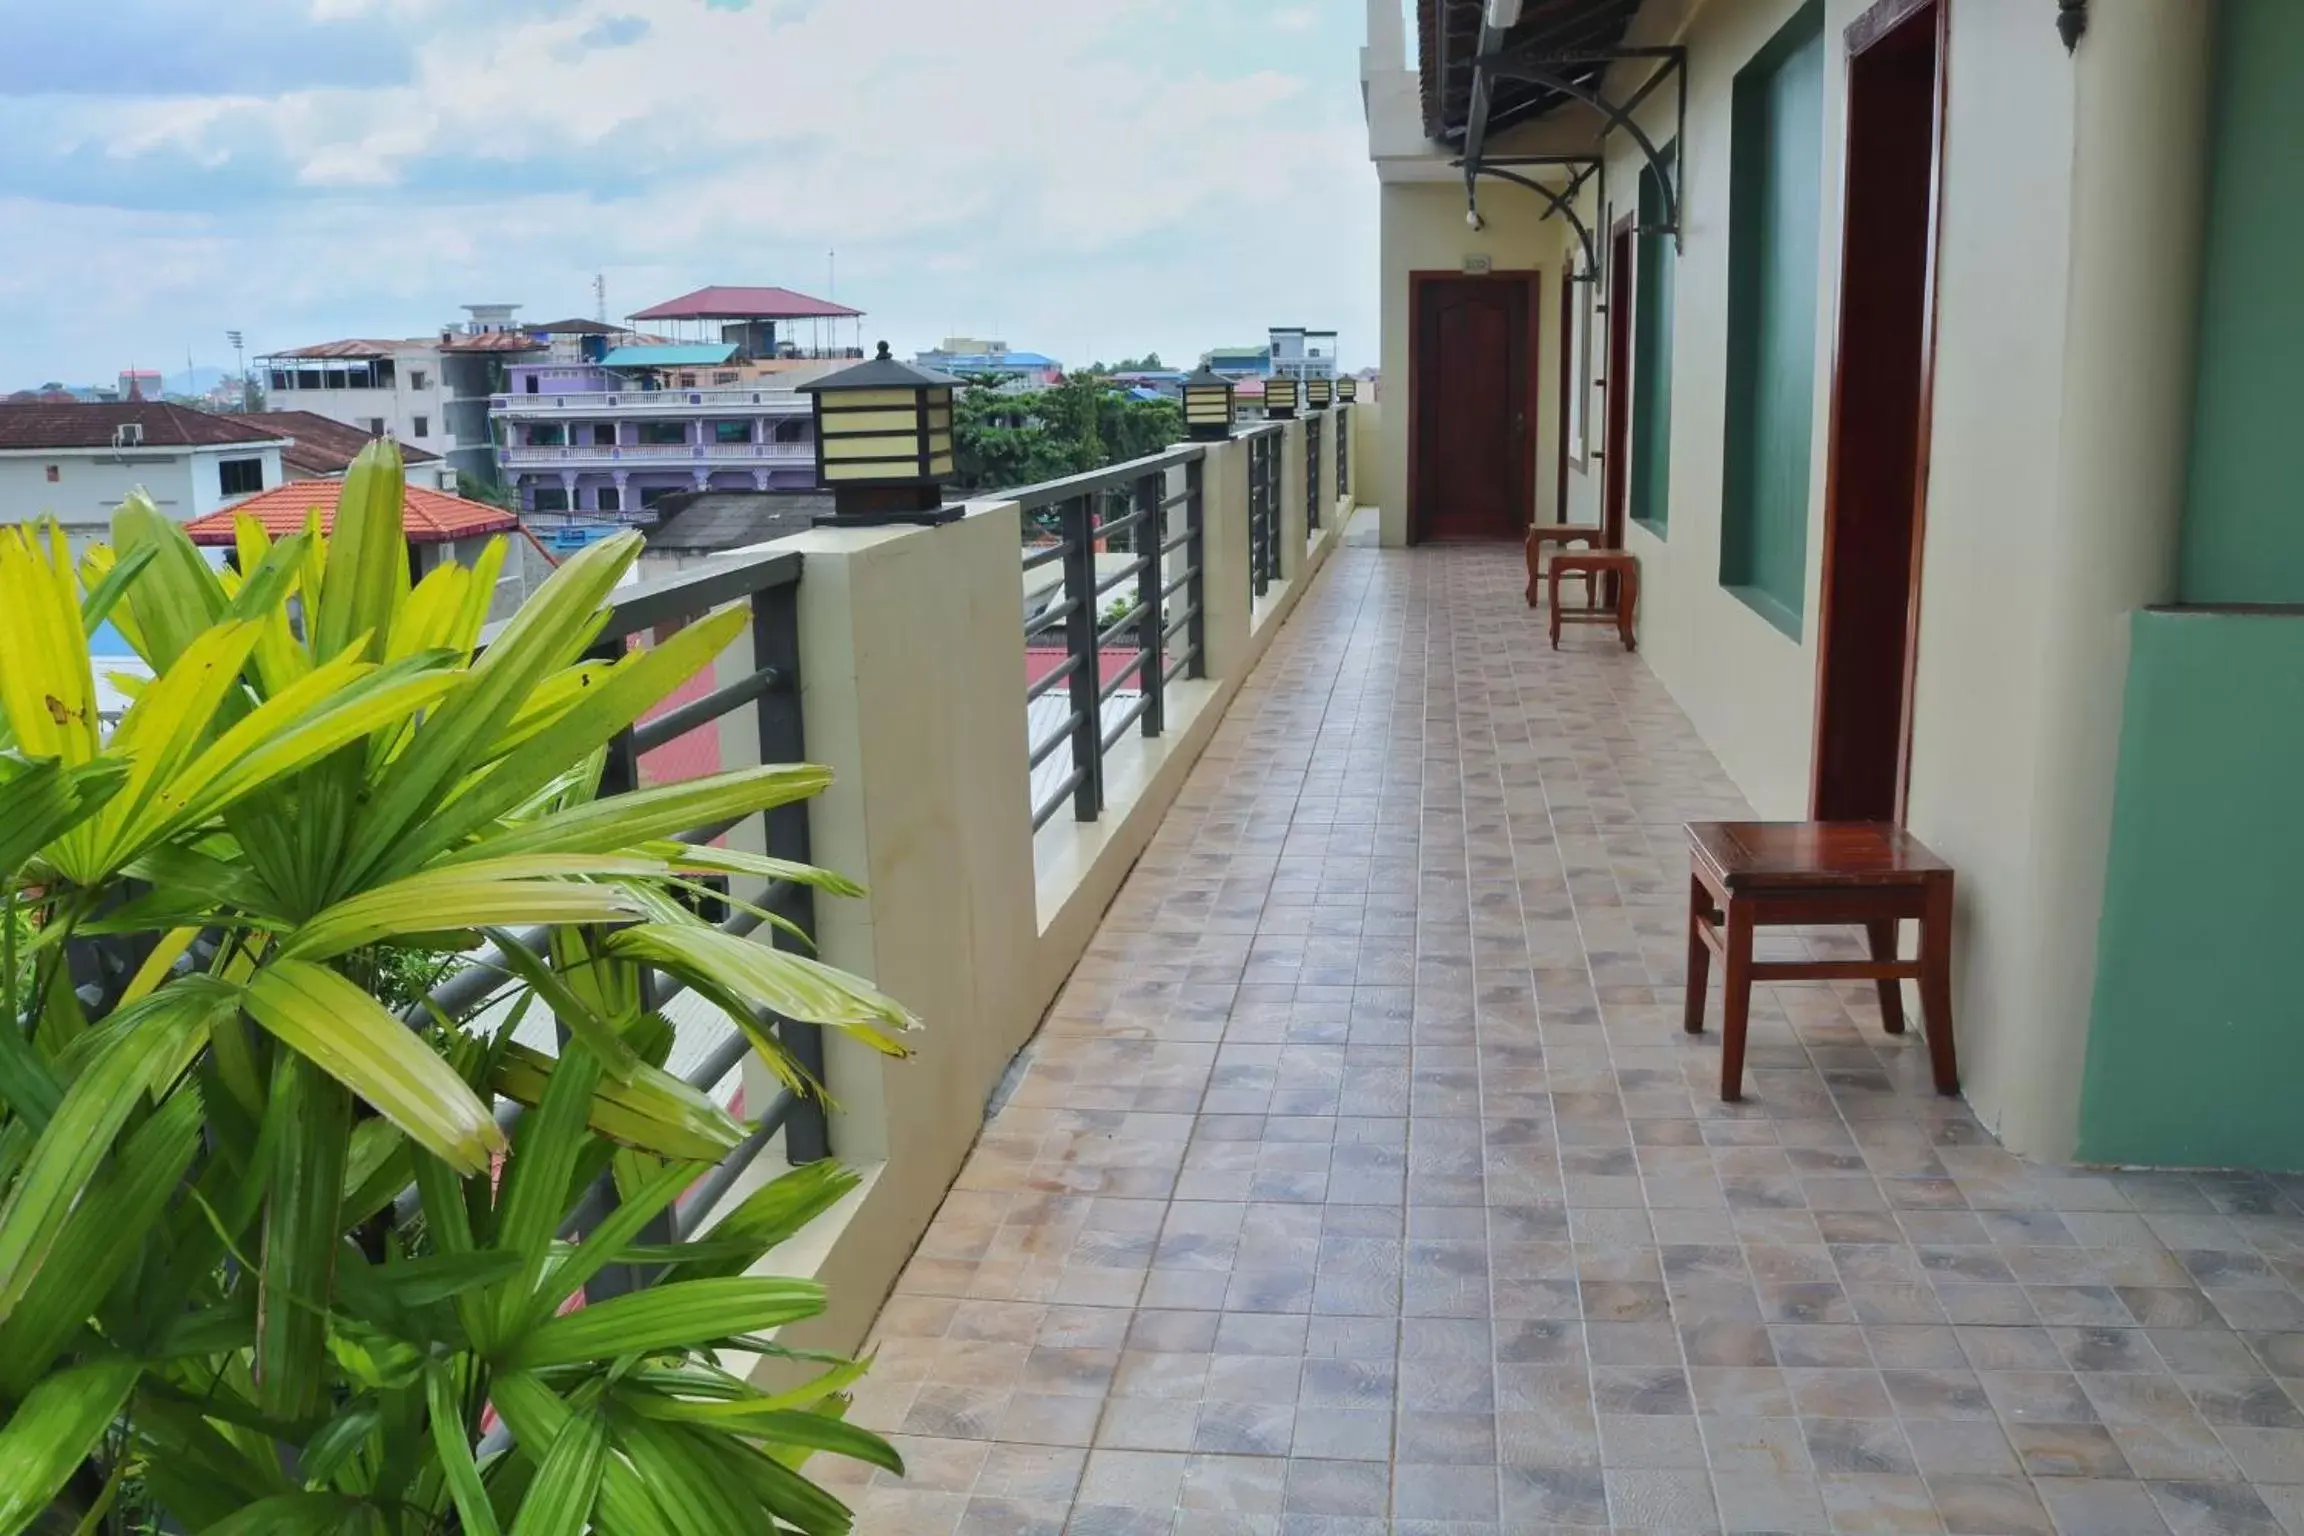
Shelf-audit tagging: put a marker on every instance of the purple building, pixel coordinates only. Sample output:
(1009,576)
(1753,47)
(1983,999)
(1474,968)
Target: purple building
(607,421)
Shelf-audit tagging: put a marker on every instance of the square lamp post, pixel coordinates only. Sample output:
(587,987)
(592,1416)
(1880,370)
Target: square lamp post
(884,442)
(1208,406)
(1281,392)
(1347,389)
(1319,393)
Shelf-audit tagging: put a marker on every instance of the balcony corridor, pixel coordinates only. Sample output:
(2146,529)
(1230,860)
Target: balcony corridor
(1361,1180)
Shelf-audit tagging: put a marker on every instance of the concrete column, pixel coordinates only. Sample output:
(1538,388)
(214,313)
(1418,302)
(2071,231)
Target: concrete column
(568,486)
(760,480)
(1224,557)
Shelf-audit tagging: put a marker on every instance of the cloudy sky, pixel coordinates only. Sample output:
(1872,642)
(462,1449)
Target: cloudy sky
(1085,178)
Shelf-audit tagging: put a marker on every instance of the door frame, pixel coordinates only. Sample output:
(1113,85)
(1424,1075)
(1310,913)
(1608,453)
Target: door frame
(1866,31)
(1616,385)
(1418,281)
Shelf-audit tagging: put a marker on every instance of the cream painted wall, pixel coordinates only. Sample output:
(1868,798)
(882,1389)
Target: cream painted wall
(2067,275)
(1423,229)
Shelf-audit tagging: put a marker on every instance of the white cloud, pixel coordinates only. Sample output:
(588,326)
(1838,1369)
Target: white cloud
(1093,178)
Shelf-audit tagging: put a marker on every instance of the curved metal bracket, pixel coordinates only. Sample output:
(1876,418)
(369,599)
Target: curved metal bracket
(1560,71)
(1560,200)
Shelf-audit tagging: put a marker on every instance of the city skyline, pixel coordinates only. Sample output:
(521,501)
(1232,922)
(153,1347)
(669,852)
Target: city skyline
(1088,182)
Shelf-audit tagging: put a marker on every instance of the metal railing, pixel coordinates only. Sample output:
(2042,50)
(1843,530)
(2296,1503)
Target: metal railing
(1151,509)
(774,398)
(1343,451)
(769,585)
(650,453)
(1263,506)
(1312,425)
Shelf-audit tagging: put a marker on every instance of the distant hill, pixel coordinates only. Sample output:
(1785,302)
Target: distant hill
(196,381)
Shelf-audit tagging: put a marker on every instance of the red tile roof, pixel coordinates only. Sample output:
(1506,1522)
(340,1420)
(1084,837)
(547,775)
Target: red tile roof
(322,447)
(432,516)
(43,424)
(720,302)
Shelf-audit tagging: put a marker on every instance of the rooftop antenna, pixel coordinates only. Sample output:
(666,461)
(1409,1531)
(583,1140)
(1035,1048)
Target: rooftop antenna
(832,276)
(600,297)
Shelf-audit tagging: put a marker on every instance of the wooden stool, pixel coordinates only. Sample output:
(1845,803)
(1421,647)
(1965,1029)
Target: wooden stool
(1541,534)
(1592,564)
(1754,874)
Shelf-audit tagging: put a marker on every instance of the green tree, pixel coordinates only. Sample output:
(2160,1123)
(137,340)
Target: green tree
(1004,440)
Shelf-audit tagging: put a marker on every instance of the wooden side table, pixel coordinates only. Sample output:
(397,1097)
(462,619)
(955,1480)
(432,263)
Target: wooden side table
(1756,874)
(1541,534)
(1592,565)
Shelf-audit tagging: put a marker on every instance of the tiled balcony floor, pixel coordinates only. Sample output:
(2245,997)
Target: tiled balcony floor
(1363,1181)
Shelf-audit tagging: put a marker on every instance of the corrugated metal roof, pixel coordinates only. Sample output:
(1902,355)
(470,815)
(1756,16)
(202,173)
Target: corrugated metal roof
(669,357)
(322,447)
(51,424)
(722,302)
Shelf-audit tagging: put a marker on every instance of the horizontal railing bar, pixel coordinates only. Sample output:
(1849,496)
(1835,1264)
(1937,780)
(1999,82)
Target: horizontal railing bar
(1191,575)
(1057,675)
(1057,795)
(1128,717)
(1135,665)
(1033,497)
(1132,568)
(675,723)
(1178,542)
(723,1060)
(1045,554)
(1055,614)
(1176,668)
(715,1186)
(1044,750)
(687,593)
(1183,622)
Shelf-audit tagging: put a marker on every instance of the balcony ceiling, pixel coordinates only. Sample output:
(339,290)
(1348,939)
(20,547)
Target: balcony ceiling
(1449,37)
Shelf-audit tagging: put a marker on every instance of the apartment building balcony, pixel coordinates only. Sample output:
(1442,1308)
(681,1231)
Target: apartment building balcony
(649,402)
(654,455)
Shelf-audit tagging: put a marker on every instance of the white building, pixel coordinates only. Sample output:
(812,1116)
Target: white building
(428,391)
(1303,354)
(77,462)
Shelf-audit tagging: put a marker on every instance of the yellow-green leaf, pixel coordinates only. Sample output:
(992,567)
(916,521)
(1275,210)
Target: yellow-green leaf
(351,1037)
(53,1431)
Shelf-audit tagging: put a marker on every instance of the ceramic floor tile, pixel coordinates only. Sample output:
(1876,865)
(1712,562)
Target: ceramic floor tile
(1361,1182)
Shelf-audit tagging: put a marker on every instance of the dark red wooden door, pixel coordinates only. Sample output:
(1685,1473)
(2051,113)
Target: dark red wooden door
(1473,451)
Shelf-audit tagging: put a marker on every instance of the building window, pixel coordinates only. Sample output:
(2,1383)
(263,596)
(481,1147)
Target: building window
(279,378)
(603,434)
(240,477)
(422,426)
(687,381)
(664,432)
(419,379)
(55,473)
(383,373)
(533,385)
(550,499)
(728,377)
(375,426)
(731,431)
(652,494)
(357,376)
(1776,157)
(605,499)
(792,430)
(546,434)
(1657,259)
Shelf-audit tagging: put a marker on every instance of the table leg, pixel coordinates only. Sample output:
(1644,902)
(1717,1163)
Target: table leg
(1552,598)
(1699,955)
(1535,566)
(1883,937)
(1936,986)
(1627,603)
(1736,1002)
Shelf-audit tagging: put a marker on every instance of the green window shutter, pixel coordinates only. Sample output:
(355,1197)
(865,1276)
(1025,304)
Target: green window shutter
(1774,191)
(1658,258)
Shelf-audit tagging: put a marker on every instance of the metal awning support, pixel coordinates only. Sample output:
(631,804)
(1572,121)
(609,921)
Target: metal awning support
(1557,200)
(1497,18)
(1564,71)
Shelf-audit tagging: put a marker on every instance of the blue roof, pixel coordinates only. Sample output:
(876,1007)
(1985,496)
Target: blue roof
(669,357)
(1142,393)
(995,360)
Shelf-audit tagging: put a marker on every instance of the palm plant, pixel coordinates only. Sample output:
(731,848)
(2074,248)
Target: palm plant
(267,1261)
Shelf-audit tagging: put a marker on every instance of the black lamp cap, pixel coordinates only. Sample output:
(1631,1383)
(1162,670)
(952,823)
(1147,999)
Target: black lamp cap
(882,372)
(1207,378)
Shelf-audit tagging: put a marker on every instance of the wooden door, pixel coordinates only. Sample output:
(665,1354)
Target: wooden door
(1876,481)
(1616,391)
(1472,451)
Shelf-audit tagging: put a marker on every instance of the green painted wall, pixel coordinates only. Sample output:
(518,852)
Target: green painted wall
(1776,164)
(1658,266)
(2196,1050)
(2244,517)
